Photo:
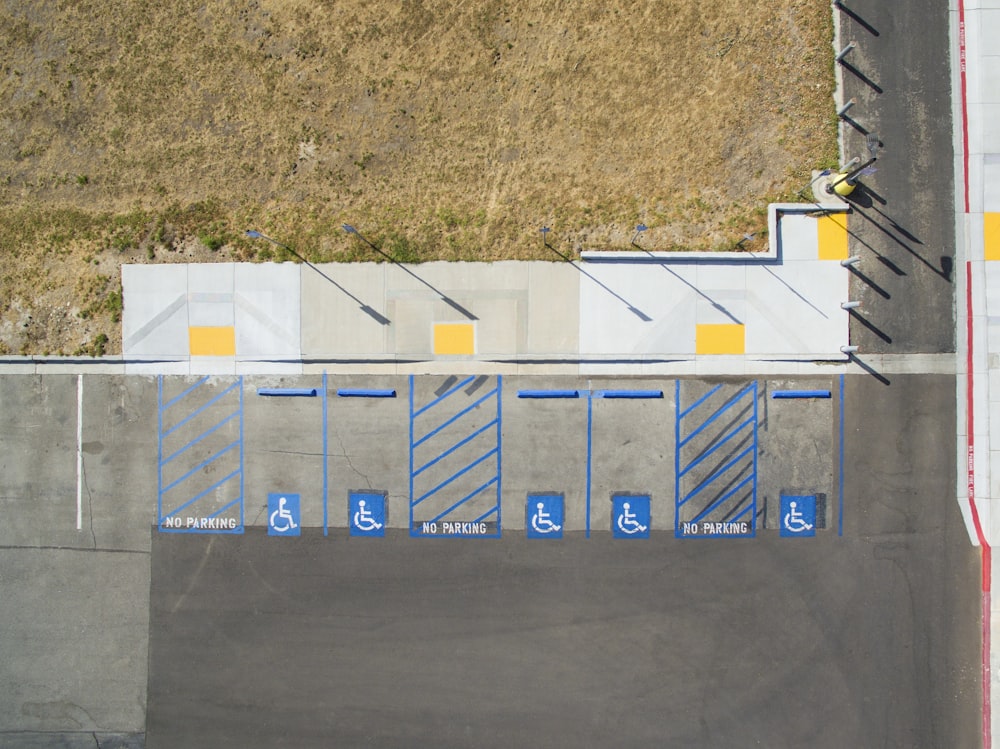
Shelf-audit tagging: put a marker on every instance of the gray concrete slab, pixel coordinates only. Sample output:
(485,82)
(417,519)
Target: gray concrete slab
(74,630)
(38,424)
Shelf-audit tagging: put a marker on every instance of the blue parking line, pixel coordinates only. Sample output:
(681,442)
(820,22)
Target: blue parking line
(454,447)
(212,488)
(191,389)
(159,449)
(201,408)
(489,512)
(222,510)
(721,410)
(548,393)
(629,394)
(200,437)
(499,505)
(440,398)
(700,516)
(365,393)
(590,452)
(326,518)
(840,481)
(466,498)
(242,474)
(411,450)
(749,421)
(697,403)
(447,481)
(201,465)
(453,419)
(800,394)
(288,392)
(717,474)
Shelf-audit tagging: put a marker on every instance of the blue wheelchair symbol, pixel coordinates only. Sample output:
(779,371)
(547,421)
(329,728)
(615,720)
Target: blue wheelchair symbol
(366,515)
(283,515)
(544,516)
(798,516)
(630,516)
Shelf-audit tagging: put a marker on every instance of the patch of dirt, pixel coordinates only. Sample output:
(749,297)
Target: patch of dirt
(142,131)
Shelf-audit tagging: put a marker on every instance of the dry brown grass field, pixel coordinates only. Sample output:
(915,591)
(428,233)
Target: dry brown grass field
(160,130)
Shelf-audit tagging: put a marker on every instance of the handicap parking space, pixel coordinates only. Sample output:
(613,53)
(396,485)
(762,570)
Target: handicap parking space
(474,455)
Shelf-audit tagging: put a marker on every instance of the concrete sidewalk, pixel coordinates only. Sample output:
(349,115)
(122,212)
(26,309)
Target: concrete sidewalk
(976,81)
(624,314)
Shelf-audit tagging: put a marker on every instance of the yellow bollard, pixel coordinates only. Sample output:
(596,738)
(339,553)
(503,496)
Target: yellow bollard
(844,187)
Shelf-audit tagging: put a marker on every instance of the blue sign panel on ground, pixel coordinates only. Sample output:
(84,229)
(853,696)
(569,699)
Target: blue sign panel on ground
(284,517)
(630,515)
(544,516)
(366,513)
(798,516)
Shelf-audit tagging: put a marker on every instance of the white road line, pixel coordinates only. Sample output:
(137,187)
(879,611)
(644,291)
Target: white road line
(79,452)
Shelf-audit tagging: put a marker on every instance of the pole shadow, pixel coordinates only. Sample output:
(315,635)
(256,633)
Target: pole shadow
(946,263)
(372,313)
(862,77)
(869,325)
(699,292)
(869,369)
(631,308)
(856,18)
(444,297)
(868,281)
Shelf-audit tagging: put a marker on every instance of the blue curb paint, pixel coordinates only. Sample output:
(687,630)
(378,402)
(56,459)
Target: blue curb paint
(628,394)
(365,393)
(548,393)
(292,392)
(800,394)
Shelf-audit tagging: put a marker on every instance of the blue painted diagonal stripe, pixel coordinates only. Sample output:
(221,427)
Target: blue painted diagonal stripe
(717,474)
(698,402)
(440,398)
(201,465)
(220,511)
(454,447)
(177,398)
(725,407)
(466,498)
(200,437)
(701,515)
(194,413)
(194,499)
(492,511)
(717,445)
(742,512)
(451,478)
(453,419)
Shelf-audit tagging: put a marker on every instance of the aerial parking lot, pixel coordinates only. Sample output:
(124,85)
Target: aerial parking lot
(692,613)
(722,499)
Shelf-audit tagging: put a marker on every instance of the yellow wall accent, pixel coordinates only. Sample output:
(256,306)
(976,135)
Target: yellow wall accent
(454,338)
(831,232)
(210,341)
(720,339)
(991,236)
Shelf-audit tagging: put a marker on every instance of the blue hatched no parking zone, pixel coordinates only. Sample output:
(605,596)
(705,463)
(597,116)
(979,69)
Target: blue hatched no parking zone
(200,456)
(715,461)
(455,456)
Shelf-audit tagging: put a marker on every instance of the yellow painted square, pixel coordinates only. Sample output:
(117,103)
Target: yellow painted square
(991,236)
(212,341)
(720,339)
(451,338)
(831,231)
